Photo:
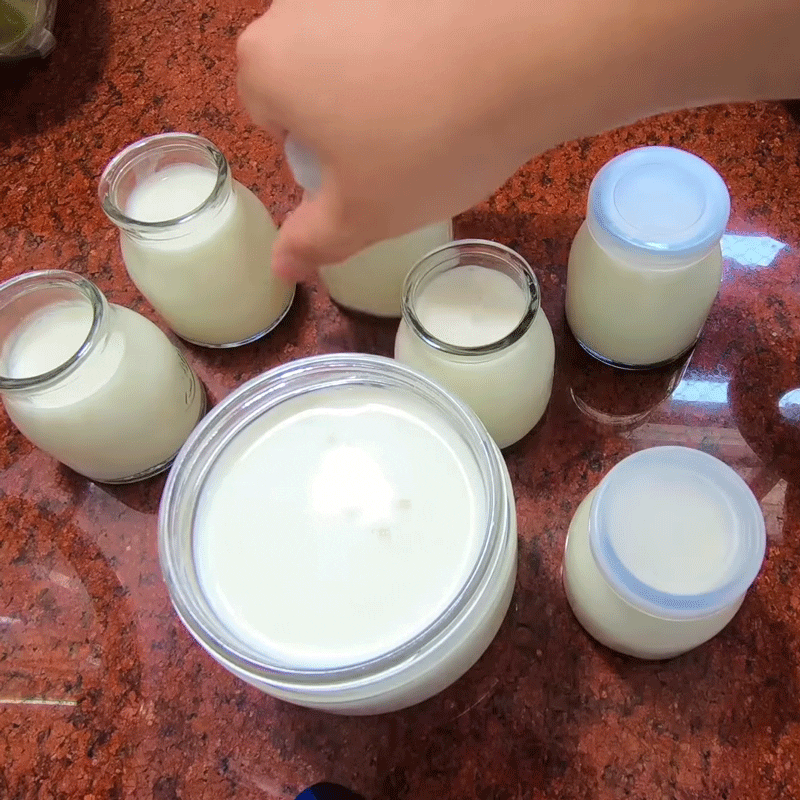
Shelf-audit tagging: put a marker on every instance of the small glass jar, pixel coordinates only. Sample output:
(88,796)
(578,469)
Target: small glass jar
(339,578)
(646,264)
(507,381)
(95,385)
(372,281)
(660,555)
(196,243)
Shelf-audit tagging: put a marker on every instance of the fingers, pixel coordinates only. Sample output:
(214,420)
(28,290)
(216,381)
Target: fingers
(257,75)
(314,235)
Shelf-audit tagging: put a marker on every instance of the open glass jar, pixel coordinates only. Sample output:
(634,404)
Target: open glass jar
(196,242)
(389,558)
(97,386)
(473,321)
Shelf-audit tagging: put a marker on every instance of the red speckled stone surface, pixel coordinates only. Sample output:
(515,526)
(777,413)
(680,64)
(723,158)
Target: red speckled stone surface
(103,694)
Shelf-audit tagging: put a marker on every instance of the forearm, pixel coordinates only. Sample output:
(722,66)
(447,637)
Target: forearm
(628,59)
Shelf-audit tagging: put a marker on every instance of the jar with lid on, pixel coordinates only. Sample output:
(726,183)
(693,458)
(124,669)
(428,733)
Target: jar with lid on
(473,321)
(196,242)
(389,560)
(646,264)
(660,555)
(95,385)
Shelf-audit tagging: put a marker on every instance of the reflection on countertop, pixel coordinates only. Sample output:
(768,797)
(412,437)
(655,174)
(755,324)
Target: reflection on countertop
(102,692)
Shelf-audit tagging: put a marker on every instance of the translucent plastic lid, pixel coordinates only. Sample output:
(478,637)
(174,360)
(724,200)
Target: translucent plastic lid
(676,532)
(303,163)
(658,206)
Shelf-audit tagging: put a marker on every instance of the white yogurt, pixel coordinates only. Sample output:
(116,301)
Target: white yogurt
(372,281)
(124,410)
(469,309)
(335,528)
(659,557)
(208,275)
(370,551)
(471,306)
(646,265)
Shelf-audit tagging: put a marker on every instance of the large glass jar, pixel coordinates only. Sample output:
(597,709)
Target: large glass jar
(388,557)
(646,264)
(473,321)
(97,386)
(196,243)
(660,555)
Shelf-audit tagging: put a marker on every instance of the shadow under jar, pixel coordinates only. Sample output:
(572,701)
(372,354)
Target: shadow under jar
(389,557)
(95,385)
(646,264)
(196,243)
(473,321)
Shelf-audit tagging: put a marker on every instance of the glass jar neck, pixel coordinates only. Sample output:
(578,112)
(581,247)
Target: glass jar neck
(151,159)
(470,252)
(24,303)
(644,257)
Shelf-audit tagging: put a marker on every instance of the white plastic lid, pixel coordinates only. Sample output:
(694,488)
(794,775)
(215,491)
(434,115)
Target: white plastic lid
(658,206)
(676,532)
(303,163)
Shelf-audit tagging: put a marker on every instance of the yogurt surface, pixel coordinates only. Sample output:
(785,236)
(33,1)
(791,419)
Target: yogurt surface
(337,526)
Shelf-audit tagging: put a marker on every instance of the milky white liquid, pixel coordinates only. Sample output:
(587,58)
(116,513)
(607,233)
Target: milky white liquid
(372,281)
(338,526)
(688,557)
(637,316)
(212,283)
(128,406)
(470,306)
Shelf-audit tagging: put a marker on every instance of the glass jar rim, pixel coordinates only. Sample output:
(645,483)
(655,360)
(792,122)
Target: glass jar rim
(133,153)
(433,263)
(30,282)
(243,407)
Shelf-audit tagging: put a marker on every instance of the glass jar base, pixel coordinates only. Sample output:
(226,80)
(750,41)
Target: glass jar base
(250,339)
(636,367)
(151,472)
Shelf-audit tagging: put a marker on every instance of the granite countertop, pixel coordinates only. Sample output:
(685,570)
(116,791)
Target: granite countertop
(104,695)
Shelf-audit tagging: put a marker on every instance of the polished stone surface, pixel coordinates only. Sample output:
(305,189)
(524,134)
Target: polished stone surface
(102,692)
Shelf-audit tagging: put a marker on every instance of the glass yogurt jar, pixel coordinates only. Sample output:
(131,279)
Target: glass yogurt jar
(473,320)
(340,532)
(646,264)
(370,282)
(196,242)
(96,385)
(660,555)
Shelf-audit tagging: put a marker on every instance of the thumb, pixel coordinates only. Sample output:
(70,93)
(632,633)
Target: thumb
(311,237)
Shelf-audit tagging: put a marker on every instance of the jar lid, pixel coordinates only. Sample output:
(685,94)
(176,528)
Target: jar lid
(660,206)
(303,163)
(676,532)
